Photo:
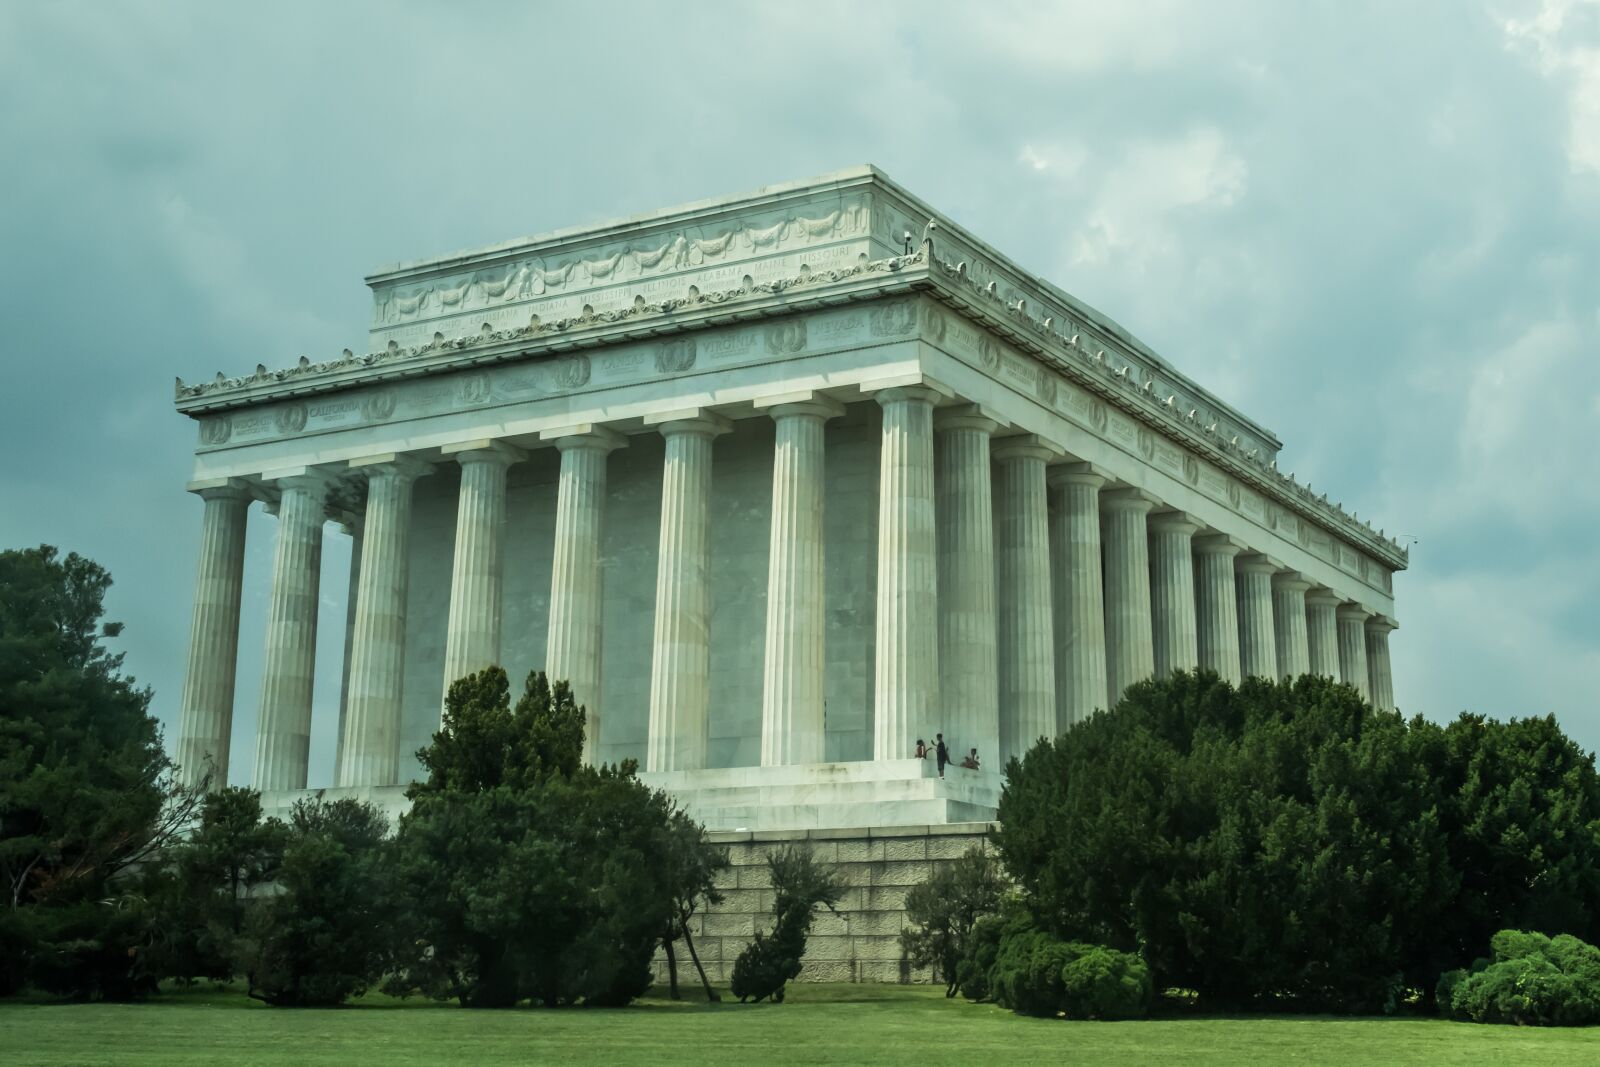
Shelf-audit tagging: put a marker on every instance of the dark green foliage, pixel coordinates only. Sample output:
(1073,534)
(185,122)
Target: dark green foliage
(1036,974)
(943,909)
(526,875)
(1103,983)
(322,936)
(769,962)
(692,867)
(206,883)
(1521,803)
(1533,980)
(983,945)
(1285,842)
(86,793)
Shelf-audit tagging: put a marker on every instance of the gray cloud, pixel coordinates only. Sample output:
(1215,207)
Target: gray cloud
(1372,228)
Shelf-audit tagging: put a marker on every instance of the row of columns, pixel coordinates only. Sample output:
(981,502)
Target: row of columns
(1016,593)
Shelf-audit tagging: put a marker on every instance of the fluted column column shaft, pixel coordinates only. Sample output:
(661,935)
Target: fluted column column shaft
(968,667)
(1352,623)
(369,754)
(906,673)
(283,726)
(1380,680)
(680,670)
(1217,606)
(1258,638)
(1174,625)
(1027,635)
(472,639)
(577,601)
(794,679)
(1289,625)
(205,718)
(1080,620)
(1130,655)
(1322,634)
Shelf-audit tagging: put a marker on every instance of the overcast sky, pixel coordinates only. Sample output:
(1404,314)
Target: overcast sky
(1374,228)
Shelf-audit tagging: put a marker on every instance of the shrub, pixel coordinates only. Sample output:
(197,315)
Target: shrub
(943,910)
(1026,976)
(1534,981)
(767,964)
(1103,983)
(983,944)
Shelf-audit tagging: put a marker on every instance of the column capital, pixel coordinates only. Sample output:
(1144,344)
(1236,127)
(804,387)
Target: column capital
(1127,499)
(1353,612)
(1025,446)
(1381,624)
(1320,596)
(914,379)
(1291,581)
(1258,563)
(484,450)
(1077,474)
(699,421)
(1175,522)
(818,407)
(966,417)
(398,464)
(584,435)
(309,479)
(1219,544)
(221,489)
(925,393)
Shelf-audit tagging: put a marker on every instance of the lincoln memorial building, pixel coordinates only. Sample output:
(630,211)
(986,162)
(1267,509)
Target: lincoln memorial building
(781,483)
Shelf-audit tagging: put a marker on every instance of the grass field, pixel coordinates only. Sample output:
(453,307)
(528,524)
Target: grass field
(839,1024)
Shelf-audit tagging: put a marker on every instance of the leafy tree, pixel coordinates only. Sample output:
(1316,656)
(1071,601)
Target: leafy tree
(323,936)
(527,875)
(693,865)
(204,888)
(768,963)
(1277,840)
(86,792)
(1521,809)
(943,910)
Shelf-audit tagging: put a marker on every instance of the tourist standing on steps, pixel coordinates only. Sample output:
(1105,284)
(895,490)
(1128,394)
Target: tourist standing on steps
(941,753)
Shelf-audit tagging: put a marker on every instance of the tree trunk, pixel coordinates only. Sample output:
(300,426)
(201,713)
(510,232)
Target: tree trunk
(672,966)
(711,994)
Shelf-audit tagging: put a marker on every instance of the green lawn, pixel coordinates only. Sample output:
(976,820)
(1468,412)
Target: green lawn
(820,1024)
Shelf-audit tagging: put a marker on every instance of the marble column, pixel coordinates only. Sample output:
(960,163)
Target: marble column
(472,637)
(906,672)
(1258,639)
(1174,624)
(1380,680)
(1322,633)
(969,713)
(288,670)
(1217,605)
(573,643)
(1080,620)
(205,717)
(1130,655)
(680,667)
(1289,624)
(1026,634)
(370,750)
(794,678)
(1352,622)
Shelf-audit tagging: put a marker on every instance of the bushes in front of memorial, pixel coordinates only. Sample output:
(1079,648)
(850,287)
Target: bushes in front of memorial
(87,796)
(1533,980)
(524,875)
(942,912)
(1284,843)
(768,963)
(1034,973)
